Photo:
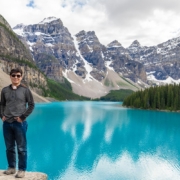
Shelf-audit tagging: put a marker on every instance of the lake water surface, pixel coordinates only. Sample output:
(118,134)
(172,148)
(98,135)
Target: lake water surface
(101,141)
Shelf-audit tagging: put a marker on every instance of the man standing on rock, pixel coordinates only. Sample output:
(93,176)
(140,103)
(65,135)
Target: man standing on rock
(14,112)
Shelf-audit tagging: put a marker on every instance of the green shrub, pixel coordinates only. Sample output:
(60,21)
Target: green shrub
(61,91)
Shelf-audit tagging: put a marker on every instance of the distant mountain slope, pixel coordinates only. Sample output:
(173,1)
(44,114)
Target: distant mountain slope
(62,91)
(13,53)
(4,22)
(82,59)
(55,51)
(52,47)
(161,62)
(10,45)
(5,81)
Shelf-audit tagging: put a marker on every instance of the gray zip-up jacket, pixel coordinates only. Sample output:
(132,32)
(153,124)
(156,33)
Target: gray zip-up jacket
(14,101)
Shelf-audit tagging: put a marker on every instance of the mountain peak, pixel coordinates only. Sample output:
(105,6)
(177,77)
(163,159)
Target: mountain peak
(114,43)
(48,20)
(81,33)
(135,44)
(19,26)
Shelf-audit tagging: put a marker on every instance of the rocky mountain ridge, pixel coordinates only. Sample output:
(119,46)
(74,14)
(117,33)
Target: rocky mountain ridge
(10,45)
(13,54)
(51,46)
(4,22)
(161,62)
(57,53)
(92,68)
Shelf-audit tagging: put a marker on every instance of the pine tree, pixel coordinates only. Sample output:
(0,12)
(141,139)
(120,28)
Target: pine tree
(162,97)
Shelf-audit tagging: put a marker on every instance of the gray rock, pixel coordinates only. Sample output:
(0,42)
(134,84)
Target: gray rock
(28,176)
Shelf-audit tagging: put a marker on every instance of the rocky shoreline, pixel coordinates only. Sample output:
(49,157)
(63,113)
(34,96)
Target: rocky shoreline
(28,176)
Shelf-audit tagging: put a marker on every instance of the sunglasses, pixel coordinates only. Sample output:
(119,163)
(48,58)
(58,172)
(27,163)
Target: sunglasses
(16,75)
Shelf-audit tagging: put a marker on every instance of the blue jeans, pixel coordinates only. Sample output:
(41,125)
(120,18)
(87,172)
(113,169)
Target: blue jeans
(15,132)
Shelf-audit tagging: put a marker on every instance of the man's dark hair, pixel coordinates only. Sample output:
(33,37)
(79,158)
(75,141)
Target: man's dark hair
(16,70)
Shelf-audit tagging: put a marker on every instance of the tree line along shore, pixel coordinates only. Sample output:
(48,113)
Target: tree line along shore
(165,97)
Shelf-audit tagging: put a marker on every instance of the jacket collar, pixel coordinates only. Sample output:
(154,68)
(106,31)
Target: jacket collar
(16,86)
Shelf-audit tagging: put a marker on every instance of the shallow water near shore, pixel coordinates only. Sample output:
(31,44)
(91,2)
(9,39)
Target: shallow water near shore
(101,141)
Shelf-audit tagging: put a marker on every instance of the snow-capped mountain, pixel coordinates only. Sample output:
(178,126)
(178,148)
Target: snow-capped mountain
(118,58)
(93,52)
(52,47)
(82,59)
(113,56)
(57,53)
(161,62)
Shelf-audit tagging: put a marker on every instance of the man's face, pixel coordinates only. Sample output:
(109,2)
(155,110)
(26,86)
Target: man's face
(16,78)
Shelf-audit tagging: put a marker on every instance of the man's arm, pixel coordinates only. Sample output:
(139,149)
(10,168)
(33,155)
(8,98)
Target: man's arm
(30,101)
(2,104)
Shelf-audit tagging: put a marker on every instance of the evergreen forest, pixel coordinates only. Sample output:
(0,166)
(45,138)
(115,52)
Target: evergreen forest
(116,95)
(165,97)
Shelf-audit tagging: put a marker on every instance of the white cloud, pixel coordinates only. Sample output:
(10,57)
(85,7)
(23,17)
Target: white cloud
(149,21)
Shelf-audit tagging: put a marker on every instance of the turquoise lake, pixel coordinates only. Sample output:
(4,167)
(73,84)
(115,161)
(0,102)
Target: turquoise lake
(101,141)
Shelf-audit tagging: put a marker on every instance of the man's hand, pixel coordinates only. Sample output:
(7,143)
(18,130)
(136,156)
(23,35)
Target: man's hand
(3,118)
(18,119)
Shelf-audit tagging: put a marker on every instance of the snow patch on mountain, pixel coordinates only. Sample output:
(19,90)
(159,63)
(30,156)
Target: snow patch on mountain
(48,20)
(19,31)
(149,73)
(107,64)
(91,50)
(102,54)
(39,33)
(87,65)
(65,74)
(30,45)
(116,46)
(169,80)
(49,44)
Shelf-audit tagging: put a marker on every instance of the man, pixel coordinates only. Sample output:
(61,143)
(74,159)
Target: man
(14,112)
